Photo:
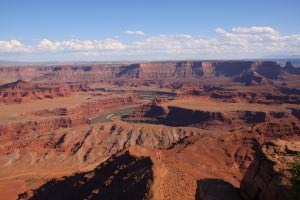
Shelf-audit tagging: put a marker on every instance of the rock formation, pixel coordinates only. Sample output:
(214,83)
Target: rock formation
(216,189)
(22,91)
(172,116)
(242,71)
(155,130)
(52,119)
(166,173)
(123,176)
(269,176)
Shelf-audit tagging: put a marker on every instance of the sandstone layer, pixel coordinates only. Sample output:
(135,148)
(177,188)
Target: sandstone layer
(243,71)
(171,130)
(270,174)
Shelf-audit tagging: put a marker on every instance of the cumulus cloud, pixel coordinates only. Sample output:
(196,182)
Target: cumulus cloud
(255,30)
(80,45)
(220,30)
(182,35)
(112,44)
(13,46)
(46,44)
(238,42)
(130,32)
(259,40)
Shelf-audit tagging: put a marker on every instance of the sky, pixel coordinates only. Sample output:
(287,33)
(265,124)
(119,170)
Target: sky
(119,30)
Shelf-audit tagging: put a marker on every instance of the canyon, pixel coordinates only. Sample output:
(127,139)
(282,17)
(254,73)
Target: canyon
(244,71)
(154,130)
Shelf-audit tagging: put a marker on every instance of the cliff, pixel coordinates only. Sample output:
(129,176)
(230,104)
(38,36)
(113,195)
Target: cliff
(123,176)
(166,173)
(270,176)
(172,116)
(22,91)
(242,71)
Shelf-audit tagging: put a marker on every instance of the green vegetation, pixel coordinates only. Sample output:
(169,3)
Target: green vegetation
(31,181)
(151,97)
(295,192)
(107,117)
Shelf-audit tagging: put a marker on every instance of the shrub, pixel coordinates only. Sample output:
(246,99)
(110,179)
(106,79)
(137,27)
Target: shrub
(295,180)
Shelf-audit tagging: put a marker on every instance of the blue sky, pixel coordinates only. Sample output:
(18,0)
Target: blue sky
(43,30)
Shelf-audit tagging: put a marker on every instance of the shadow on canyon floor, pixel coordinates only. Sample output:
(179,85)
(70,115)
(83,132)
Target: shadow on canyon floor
(120,177)
(215,189)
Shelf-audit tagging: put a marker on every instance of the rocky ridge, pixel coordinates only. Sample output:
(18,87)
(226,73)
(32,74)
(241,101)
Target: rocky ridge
(269,176)
(243,71)
(22,91)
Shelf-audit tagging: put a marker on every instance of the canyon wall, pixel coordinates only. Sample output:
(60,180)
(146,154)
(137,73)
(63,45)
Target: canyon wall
(22,91)
(110,175)
(270,176)
(45,120)
(146,71)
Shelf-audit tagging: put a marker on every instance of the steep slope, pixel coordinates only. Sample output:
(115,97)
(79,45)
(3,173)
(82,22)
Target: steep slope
(269,176)
(186,71)
(267,69)
(291,69)
(216,189)
(172,116)
(22,91)
(166,173)
(123,176)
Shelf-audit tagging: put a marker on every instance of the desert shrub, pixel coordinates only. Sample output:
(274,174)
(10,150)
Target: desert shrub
(295,180)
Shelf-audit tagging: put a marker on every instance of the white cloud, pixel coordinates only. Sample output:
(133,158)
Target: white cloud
(258,41)
(239,42)
(181,35)
(220,30)
(80,45)
(76,44)
(46,44)
(255,30)
(130,32)
(112,44)
(13,46)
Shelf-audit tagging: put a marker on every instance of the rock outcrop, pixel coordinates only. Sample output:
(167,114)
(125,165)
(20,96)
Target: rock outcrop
(268,69)
(22,91)
(53,119)
(242,71)
(269,176)
(166,173)
(291,69)
(123,176)
(102,137)
(172,116)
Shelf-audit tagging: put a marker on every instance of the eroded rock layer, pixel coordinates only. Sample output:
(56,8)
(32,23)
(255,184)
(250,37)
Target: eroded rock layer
(242,71)
(270,175)
(123,176)
(22,91)
(171,130)
(147,173)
